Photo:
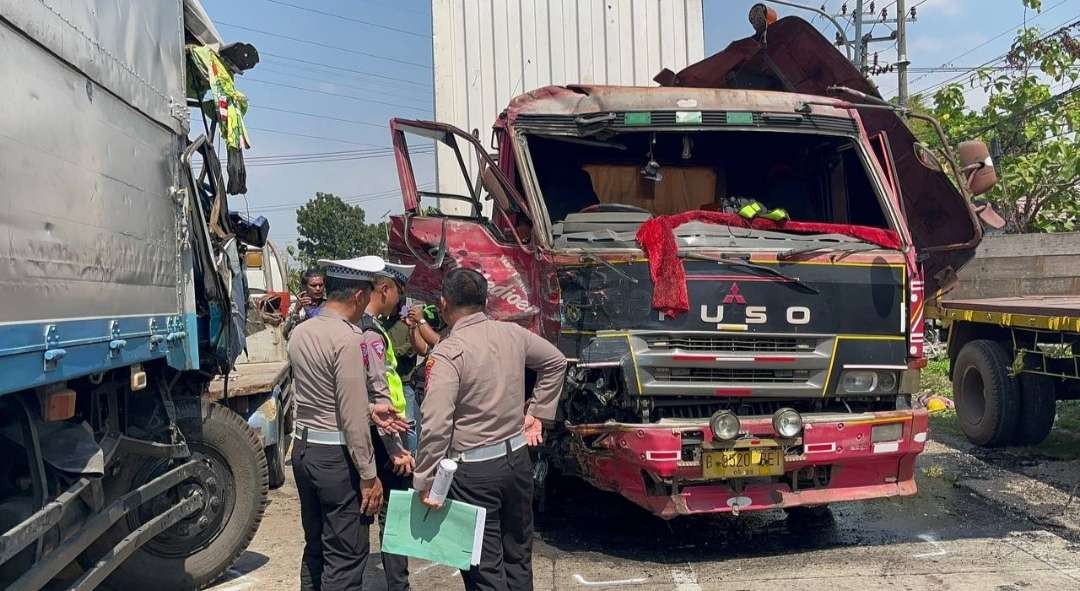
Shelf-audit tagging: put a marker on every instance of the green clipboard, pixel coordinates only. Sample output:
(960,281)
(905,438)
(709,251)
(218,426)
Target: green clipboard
(452,535)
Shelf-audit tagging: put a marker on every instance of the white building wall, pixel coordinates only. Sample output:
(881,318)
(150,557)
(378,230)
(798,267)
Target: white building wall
(488,51)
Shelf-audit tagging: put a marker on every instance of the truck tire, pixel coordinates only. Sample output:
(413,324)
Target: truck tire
(191,555)
(987,396)
(1038,407)
(275,458)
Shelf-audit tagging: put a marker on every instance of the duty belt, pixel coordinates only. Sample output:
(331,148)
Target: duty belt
(319,437)
(490,452)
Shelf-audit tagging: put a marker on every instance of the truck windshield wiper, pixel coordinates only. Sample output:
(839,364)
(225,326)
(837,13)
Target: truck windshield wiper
(847,247)
(596,259)
(747,264)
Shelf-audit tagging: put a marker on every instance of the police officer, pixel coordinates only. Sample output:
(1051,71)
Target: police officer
(393,460)
(333,458)
(476,412)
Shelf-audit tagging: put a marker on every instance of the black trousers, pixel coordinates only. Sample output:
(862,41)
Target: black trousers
(504,487)
(335,531)
(395,566)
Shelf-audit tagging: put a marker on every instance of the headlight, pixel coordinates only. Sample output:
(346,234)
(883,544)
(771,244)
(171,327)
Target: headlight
(787,422)
(867,382)
(858,382)
(724,425)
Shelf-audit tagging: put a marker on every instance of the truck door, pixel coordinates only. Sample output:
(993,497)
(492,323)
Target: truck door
(474,219)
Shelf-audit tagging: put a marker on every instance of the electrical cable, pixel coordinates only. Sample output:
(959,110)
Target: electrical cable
(325,45)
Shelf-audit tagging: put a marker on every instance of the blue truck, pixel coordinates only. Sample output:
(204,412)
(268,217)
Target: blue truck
(126,460)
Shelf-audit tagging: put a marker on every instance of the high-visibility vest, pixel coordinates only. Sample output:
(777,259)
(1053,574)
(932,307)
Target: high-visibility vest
(393,380)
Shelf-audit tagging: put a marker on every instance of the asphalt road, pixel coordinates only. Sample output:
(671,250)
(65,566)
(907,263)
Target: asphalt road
(943,538)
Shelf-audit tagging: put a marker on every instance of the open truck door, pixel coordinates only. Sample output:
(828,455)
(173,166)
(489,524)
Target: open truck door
(455,226)
(791,55)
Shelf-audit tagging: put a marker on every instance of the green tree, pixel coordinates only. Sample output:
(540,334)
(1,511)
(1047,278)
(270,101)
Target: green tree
(1031,125)
(330,228)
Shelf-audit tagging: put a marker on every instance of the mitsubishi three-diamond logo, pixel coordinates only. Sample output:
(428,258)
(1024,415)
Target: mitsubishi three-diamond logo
(733,296)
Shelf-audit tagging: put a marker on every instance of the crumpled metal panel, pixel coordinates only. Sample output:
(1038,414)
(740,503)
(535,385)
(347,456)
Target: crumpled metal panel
(87,220)
(797,58)
(134,49)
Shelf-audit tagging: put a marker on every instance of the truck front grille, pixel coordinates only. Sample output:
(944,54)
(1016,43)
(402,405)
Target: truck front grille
(729,375)
(727,344)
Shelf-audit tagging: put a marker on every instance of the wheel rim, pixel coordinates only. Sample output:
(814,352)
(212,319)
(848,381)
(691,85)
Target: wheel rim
(215,481)
(973,395)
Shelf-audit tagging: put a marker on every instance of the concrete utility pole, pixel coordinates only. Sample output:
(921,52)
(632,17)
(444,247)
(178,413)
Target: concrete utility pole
(901,53)
(860,45)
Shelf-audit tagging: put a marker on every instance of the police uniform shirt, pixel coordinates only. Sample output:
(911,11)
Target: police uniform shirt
(330,383)
(476,389)
(373,352)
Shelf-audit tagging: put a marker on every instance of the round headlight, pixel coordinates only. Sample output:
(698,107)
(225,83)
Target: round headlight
(886,381)
(724,425)
(787,422)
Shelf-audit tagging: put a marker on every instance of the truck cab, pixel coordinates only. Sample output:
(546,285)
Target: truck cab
(735,264)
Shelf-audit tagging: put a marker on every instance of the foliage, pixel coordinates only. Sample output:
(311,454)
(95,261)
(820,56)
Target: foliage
(330,228)
(1032,129)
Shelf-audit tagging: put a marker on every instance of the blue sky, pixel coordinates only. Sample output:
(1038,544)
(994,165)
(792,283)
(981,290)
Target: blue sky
(373,70)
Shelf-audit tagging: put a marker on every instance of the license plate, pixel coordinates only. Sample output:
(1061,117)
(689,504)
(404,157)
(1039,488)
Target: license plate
(742,463)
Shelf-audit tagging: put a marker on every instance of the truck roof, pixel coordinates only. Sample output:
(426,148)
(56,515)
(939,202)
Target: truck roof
(574,100)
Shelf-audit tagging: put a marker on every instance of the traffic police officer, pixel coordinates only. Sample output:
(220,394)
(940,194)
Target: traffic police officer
(333,458)
(393,460)
(476,413)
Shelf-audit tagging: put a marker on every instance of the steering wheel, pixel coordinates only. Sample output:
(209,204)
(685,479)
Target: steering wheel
(613,207)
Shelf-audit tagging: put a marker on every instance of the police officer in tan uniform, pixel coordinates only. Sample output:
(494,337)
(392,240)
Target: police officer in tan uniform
(333,458)
(393,460)
(476,412)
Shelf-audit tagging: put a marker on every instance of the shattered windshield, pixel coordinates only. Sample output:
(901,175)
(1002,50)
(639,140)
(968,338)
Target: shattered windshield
(599,191)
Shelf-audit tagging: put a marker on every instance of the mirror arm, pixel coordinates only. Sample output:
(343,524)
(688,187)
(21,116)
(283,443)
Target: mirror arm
(962,183)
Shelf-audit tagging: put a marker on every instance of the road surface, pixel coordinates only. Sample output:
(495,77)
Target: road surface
(944,538)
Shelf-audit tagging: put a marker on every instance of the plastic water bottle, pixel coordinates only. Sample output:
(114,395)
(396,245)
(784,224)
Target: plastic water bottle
(443,477)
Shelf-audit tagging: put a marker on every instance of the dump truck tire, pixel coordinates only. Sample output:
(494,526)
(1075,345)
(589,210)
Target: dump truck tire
(186,556)
(987,396)
(1038,407)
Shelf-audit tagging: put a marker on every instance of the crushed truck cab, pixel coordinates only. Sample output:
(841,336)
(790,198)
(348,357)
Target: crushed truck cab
(735,264)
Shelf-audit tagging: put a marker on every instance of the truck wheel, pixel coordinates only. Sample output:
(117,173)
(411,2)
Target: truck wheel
(275,458)
(1038,406)
(196,551)
(987,397)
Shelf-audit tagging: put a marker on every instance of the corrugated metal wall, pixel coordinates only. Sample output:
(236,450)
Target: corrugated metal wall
(488,51)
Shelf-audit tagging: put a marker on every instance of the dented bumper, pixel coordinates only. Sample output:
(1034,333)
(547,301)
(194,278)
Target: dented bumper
(835,459)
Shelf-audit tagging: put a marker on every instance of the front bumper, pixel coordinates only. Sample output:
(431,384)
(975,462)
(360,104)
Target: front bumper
(835,460)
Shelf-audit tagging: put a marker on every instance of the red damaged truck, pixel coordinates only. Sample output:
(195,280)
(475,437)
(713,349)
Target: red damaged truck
(736,263)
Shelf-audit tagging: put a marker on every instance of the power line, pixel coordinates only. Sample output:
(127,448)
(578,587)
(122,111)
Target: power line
(332,159)
(334,82)
(314,137)
(344,69)
(1028,111)
(350,199)
(326,45)
(999,58)
(994,38)
(303,155)
(341,95)
(318,116)
(349,18)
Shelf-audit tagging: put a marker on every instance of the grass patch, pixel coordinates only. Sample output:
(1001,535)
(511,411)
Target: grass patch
(935,378)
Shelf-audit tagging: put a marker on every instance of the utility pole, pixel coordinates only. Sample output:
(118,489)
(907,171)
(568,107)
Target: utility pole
(901,53)
(865,15)
(860,45)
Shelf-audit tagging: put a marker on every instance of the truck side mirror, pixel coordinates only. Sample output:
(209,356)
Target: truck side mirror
(977,166)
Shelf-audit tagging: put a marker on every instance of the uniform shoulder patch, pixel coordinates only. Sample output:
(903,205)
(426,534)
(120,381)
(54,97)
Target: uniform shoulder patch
(430,363)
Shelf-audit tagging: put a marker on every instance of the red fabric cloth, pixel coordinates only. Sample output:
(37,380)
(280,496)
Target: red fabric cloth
(656,237)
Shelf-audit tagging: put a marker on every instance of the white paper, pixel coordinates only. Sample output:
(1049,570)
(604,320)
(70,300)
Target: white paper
(478,535)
